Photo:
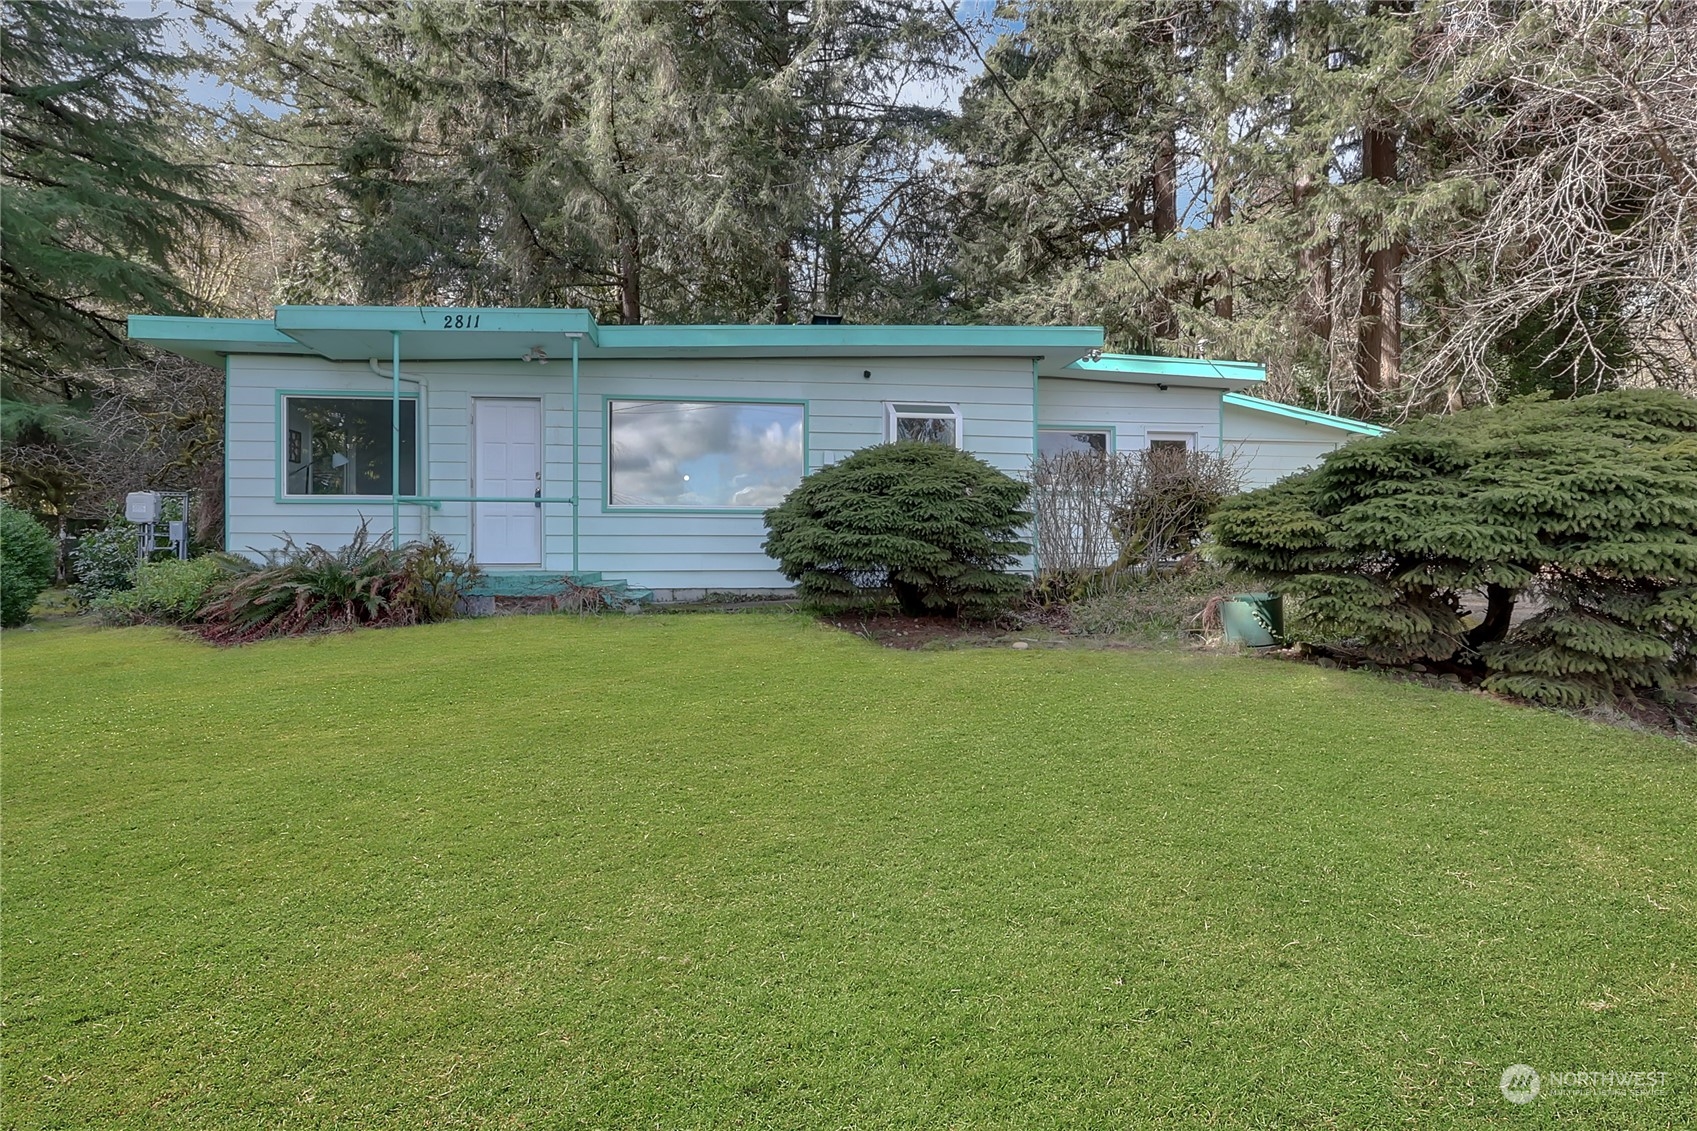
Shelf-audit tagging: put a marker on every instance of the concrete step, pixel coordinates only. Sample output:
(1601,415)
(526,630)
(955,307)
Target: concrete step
(550,583)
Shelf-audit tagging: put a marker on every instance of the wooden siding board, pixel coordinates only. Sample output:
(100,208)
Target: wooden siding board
(1273,446)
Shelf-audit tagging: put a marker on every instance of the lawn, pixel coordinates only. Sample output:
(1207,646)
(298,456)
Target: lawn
(714,871)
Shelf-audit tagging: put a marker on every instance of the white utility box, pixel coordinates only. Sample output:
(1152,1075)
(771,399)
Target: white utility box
(142,506)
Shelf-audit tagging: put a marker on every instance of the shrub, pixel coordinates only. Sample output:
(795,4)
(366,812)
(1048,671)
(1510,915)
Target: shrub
(104,561)
(1096,516)
(311,589)
(1589,505)
(432,580)
(27,559)
(1153,606)
(931,524)
(170,591)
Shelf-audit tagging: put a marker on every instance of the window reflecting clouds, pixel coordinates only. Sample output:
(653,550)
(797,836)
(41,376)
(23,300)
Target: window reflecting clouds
(703,453)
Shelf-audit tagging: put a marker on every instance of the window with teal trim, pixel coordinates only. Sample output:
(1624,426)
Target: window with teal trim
(706,454)
(345,446)
(1082,441)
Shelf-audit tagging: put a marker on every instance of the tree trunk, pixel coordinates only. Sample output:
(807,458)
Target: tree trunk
(1499,610)
(1314,267)
(782,287)
(630,278)
(1164,219)
(1379,358)
(1164,180)
(1220,216)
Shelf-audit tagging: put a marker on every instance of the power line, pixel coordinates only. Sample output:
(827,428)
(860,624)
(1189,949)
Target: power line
(1060,167)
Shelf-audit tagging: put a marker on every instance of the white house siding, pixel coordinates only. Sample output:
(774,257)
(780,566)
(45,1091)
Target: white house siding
(1269,447)
(1133,411)
(671,550)
(257,520)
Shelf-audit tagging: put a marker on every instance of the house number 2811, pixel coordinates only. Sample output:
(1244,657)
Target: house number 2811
(460,321)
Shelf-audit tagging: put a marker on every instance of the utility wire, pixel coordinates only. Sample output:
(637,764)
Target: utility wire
(1060,167)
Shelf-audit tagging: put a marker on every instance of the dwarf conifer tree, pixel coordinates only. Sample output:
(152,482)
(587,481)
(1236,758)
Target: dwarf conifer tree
(1588,505)
(933,525)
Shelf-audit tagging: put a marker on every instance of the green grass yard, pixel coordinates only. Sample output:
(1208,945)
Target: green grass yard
(715,871)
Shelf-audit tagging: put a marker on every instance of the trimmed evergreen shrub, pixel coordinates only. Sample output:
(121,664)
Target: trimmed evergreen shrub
(1589,505)
(931,524)
(27,560)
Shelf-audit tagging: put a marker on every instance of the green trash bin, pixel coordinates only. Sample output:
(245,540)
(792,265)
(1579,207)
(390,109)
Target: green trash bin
(1254,619)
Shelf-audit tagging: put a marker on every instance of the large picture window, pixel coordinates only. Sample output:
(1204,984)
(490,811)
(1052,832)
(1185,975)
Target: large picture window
(928,423)
(703,453)
(345,446)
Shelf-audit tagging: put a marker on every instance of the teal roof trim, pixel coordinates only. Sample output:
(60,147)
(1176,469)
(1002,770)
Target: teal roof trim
(210,339)
(438,333)
(1306,415)
(891,340)
(297,321)
(1150,369)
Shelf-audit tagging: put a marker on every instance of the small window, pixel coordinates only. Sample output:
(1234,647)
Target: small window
(927,423)
(1065,442)
(1176,443)
(713,454)
(345,446)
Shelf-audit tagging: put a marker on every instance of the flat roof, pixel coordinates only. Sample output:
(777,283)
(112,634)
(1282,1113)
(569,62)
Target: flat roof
(1306,415)
(440,333)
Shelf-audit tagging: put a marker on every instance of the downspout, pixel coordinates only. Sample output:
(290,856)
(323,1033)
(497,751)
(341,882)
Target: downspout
(421,446)
(575,502)
(395,444)
(229,537)
(1036,454)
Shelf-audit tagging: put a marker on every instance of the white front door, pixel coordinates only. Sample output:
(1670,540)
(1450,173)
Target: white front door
(508,464)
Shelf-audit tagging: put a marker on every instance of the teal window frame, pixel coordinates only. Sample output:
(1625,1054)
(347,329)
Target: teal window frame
(610,507)
(280,452)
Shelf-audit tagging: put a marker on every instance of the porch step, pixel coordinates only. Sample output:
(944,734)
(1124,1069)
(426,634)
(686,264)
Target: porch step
(549,583)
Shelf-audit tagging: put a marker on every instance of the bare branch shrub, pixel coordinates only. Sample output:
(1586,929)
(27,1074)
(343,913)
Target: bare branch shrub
(1073,496)
(1094,515)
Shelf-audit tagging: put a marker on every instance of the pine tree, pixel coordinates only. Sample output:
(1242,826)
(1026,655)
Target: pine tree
(712,162)
(97,203)
(96,197)
(1587,505)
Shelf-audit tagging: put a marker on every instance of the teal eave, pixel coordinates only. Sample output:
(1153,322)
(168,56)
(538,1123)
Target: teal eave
(359,333)
(1185,372)
(212,339)
(1306,415)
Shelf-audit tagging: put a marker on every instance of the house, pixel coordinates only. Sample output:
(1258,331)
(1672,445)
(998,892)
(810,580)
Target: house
(1269,440)
(544,444)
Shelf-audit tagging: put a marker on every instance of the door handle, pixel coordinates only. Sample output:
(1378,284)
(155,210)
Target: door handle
(539,498)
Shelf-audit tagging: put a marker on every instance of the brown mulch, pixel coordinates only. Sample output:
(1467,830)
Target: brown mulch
(893,630)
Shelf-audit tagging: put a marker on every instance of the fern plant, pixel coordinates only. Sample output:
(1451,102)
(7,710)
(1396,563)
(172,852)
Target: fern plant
(363,583)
